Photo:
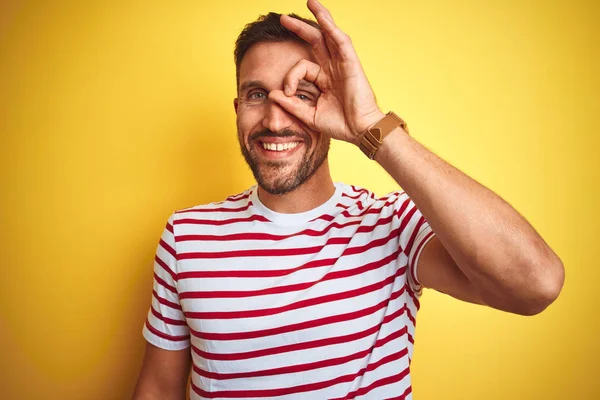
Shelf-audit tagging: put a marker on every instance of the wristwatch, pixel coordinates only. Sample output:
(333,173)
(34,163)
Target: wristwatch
(373,136)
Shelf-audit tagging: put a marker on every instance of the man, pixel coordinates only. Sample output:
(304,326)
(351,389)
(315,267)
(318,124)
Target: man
(301,288)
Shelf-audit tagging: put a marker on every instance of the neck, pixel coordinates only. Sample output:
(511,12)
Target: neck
(311,194)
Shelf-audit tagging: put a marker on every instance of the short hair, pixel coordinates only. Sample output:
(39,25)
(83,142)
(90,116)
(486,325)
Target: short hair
(267,28)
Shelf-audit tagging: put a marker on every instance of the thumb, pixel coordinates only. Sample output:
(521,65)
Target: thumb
(298,108)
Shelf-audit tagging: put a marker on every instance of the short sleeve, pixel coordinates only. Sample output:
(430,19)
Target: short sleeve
(415,232)
(165,325)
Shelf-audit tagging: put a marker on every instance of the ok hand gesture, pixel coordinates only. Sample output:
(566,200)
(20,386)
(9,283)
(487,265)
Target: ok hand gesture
(346,106)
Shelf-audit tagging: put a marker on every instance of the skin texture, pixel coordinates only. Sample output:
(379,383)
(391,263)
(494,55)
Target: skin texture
(164,374)
(483,252)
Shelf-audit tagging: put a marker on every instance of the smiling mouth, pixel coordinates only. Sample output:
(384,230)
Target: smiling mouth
(279,146)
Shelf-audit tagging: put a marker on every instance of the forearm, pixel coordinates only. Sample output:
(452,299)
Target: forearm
(495,247)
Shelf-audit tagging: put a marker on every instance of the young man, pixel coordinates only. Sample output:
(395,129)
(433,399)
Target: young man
(301,288)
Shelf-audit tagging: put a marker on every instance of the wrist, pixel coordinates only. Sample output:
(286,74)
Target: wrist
(367,123)
(396,139)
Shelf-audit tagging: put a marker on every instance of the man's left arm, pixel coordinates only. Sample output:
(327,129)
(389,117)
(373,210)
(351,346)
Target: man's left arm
(484,251)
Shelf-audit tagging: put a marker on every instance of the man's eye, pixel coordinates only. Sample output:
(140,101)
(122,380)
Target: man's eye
(305,97)
(257,96)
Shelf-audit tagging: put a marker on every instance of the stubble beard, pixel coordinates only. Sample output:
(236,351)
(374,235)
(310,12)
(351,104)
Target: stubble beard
(271,176)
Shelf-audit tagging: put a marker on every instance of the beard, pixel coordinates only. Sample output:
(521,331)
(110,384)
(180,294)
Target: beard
(273,176)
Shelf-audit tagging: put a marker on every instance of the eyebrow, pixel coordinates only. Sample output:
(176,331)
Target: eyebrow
(250,85)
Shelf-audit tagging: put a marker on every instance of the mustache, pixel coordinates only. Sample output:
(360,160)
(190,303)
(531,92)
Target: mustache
(265,133)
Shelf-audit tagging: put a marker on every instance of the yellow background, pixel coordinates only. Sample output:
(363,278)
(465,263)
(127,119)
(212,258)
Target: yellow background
(114,114)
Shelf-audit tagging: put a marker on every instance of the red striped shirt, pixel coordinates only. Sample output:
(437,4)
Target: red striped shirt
(319,304)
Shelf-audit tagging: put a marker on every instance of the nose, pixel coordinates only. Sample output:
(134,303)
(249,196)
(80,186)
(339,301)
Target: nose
(276,118)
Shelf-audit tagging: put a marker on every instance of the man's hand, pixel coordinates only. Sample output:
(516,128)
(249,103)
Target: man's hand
(346,106)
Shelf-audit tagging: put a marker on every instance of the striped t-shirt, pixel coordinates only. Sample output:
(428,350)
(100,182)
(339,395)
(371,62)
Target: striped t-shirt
(315,305)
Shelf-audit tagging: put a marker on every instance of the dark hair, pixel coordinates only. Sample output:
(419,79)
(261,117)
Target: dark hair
(266,28)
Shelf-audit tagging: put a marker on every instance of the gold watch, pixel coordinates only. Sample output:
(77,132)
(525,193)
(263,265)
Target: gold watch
(373,136)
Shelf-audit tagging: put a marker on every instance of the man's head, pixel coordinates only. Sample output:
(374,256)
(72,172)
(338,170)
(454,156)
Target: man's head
(281,151)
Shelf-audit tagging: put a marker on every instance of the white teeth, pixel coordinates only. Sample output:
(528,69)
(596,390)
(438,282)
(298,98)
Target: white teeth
(280,146)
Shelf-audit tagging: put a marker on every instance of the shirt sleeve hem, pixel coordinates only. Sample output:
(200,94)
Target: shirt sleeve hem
(421,242)
(163,343)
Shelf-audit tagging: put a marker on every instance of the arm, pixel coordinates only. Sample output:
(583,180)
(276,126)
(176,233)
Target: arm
(484,251)
(164,374)
(166,366)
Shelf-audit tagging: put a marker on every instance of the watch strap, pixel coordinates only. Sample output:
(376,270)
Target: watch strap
(373,137)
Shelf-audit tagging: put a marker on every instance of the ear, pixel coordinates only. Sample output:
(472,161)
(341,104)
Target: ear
(235,104)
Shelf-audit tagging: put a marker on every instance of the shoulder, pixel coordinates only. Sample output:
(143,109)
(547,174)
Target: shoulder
(356,194)
(211,216)
(232,203)
(395,199)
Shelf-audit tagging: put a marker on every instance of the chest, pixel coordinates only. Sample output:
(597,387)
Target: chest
(287,289)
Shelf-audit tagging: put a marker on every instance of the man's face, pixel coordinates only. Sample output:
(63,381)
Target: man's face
(282,152)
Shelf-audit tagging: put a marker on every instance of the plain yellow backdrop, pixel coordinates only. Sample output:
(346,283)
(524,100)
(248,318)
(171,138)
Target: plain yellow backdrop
(114,114)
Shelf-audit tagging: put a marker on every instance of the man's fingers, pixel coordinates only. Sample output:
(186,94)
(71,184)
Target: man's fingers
(342,42)
(302,85)
(300,109)
(316,7)
(309,74)
(332,41)
(309,33)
